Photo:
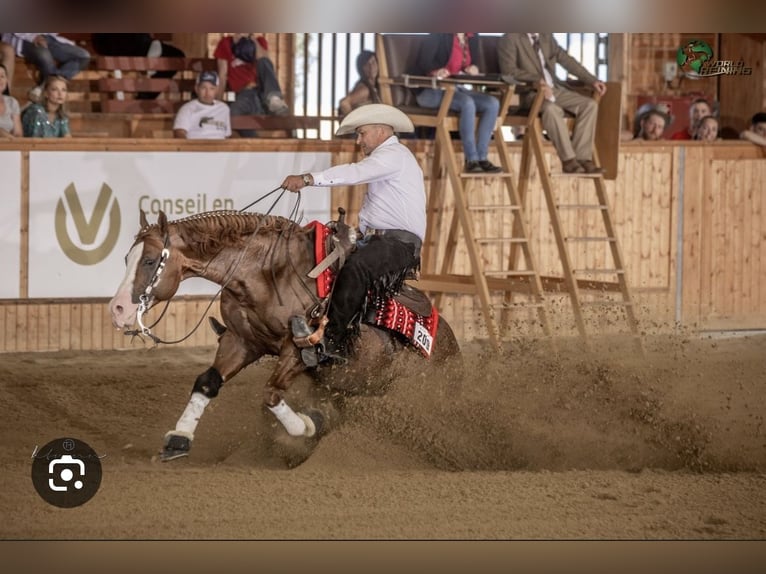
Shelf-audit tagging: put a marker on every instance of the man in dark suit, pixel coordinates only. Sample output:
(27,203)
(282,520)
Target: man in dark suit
(531,58)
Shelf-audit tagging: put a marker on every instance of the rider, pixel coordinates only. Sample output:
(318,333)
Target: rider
(392,217)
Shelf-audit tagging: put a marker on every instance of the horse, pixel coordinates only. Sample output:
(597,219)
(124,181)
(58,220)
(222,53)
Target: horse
(262,263)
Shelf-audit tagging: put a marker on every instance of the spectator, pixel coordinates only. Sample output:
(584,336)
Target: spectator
(10,120)
(142,45)
(444,55)
(531,58)
(698,109)
(756,133)
(205,117)
(8,59)
(707,129)
(51,54)
(244,67)
(366,90)
(48,119)
(651,121)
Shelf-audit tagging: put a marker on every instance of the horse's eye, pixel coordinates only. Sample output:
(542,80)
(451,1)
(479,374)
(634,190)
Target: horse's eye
(148,261)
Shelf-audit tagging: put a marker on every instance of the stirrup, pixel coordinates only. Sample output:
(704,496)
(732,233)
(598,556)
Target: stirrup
(303,336)
(327,355)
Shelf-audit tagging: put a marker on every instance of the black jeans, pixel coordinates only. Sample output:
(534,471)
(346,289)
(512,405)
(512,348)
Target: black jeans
(380,263)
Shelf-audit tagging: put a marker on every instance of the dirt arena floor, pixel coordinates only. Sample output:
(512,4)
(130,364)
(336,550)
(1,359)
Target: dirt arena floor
(528,444)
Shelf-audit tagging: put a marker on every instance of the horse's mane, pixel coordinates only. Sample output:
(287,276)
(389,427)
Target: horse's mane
(211,231)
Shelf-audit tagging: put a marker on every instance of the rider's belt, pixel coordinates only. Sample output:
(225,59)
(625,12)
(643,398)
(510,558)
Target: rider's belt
(400,234)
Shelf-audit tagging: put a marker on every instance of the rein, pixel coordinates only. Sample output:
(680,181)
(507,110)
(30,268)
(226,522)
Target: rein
(146,298)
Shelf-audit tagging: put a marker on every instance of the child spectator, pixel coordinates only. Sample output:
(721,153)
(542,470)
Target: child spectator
(48,119)
(10,120)
(205,117)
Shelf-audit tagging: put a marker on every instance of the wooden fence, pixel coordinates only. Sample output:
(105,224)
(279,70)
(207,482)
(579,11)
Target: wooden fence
(689,216)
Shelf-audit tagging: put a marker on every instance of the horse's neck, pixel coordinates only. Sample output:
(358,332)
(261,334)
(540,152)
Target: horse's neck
(262,244)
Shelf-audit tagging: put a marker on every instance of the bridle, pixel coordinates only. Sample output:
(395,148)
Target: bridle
(146,298)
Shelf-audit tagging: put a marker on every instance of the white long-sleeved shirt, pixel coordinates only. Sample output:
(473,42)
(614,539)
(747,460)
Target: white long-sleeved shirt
(396,195)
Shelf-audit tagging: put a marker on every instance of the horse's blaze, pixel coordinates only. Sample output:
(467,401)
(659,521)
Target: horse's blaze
(121,307)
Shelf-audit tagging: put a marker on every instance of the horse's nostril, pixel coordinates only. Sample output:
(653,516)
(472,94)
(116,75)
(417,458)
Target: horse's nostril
(119,308)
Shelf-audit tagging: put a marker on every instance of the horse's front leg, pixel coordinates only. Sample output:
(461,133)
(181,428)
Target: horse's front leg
(288,367)
(231,357)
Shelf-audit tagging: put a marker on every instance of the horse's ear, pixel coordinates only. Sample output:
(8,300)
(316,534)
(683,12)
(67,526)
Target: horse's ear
(162,221)
(142,220)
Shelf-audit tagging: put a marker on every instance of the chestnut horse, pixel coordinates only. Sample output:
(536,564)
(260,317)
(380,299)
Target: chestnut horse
(262,264)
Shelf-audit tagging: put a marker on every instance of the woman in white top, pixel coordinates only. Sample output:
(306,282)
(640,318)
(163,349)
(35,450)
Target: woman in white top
(10,116)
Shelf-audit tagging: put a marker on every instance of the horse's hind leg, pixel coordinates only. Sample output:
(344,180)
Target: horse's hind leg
(230,358)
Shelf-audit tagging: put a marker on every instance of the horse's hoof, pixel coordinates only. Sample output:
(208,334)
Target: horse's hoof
(318,419)
(176,446)
(311,429)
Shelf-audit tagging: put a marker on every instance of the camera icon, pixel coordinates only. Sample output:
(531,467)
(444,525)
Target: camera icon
(63,471)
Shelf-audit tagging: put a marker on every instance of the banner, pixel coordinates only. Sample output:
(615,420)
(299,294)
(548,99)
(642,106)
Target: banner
(84,207)
(10,223)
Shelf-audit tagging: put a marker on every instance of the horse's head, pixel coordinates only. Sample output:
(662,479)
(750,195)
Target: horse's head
(152,273)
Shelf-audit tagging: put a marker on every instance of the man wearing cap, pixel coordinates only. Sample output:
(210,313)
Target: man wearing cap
(392,217)
(205,117)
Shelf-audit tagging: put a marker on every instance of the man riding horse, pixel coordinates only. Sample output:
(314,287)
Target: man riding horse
(392,219)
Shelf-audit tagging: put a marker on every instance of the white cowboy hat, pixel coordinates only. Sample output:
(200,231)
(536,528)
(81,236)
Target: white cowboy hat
(375,114)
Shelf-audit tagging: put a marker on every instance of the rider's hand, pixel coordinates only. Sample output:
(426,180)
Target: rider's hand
(294,183)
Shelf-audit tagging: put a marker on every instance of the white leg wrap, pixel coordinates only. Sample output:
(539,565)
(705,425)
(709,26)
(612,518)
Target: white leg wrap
(294,425)
(192,413)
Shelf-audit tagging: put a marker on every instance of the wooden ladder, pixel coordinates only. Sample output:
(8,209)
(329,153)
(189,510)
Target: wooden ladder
(506,277)
(590,279)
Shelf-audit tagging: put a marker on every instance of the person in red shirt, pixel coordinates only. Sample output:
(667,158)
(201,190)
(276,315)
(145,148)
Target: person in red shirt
(245,68)
(700,108)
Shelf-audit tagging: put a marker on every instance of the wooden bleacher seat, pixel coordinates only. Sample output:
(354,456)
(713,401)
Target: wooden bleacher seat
(173,93)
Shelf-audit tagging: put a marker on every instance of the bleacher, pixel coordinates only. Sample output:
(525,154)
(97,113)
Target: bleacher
(103,101)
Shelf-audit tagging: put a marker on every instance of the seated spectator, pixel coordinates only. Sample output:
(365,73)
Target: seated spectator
(244,67)
(51,54)
(651,121)
(707,129)
(141,45)
(532,58)
(205,117)
(48,119)
(8,59)
(10,119)
(366,90)
(756,133)
(444,55)
(698,109)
